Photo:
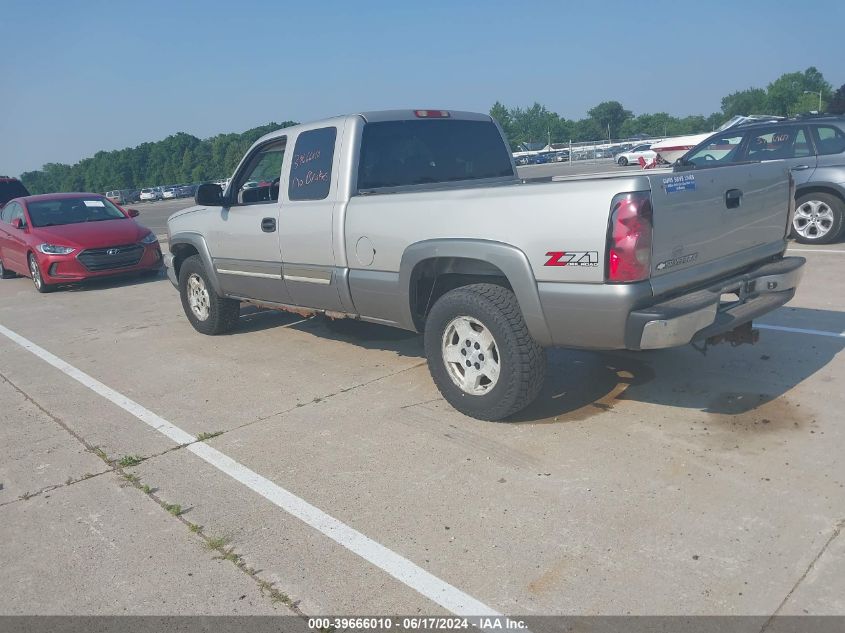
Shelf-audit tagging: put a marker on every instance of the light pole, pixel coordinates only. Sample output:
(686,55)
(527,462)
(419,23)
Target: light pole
(812,92)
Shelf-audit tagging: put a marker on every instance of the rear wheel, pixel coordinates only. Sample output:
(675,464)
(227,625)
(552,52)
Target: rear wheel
(818,218)
(37,279)
(5,273)
(480,354)
(623,162)
(207,312)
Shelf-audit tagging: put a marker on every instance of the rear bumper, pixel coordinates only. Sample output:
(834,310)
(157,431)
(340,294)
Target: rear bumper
(627,316)
(708,312)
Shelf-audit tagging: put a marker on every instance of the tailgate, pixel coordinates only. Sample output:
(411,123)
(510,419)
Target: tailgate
(710,222)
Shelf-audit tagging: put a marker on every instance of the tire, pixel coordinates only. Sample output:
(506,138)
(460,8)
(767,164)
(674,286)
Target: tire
(207,312)
(623,162)
(35,275)
(5,273)
(487,394)
(818,218)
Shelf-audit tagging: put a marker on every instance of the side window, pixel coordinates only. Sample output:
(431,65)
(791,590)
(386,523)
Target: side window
(829,139)
(6,213)
(801,148)
(719,150)
(258,181)
(777,143)
(13,210)
(311,166)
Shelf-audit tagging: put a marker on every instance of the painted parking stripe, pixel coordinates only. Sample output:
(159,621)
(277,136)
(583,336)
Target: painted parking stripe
(406,572)
(798,330)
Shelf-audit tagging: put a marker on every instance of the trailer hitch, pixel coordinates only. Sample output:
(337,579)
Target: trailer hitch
(740,335)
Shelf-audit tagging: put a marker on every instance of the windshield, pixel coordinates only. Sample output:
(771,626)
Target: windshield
(72,211)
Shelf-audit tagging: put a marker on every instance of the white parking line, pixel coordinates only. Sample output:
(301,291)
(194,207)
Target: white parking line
(798,330)
(406,572)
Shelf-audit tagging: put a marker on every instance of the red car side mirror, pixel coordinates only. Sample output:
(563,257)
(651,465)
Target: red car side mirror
(17,223)
(133,213)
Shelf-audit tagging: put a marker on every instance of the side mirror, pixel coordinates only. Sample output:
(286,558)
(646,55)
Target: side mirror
(17,223)
(209,194)
(133,213)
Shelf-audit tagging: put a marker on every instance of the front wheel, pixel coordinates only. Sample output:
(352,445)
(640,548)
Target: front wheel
(37,280)
(818,218)
(207,312)
(623,162)
(480,354)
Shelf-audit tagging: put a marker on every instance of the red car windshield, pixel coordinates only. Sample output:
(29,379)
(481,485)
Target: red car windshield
(72,211)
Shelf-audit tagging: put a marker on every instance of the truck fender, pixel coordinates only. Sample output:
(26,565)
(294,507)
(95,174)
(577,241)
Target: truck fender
(197,241)
(509,259)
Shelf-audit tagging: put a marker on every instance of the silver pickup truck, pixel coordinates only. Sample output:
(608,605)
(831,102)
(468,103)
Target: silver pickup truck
(417,219)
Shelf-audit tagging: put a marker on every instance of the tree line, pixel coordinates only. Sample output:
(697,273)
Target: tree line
(183,158)
(789,94)
(180,158)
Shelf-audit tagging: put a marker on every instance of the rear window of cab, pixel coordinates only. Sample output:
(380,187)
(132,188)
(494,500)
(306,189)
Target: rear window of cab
(430,151)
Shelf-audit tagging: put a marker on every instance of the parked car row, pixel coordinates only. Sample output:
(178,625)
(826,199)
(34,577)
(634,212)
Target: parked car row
(583,153)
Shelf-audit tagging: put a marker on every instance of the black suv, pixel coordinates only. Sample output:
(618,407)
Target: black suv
(10,188)
(814,150)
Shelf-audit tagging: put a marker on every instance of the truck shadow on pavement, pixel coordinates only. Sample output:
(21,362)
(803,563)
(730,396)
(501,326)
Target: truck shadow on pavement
(729,384)
(726,382)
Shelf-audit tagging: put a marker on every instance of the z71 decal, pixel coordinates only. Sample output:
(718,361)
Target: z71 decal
(572,258)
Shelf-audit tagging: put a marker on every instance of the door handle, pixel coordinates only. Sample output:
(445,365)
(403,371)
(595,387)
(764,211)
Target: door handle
(268,225)
(733,198)
(800,167)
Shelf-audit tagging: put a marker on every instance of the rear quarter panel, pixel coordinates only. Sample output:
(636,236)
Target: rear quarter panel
(537,218)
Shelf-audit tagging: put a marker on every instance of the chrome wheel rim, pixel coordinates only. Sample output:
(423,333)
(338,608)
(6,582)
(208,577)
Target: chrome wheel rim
(35,272)
(813,219)
(471,356)
(198,297)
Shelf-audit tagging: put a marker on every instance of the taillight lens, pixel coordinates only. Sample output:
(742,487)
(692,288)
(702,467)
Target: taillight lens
(629,237)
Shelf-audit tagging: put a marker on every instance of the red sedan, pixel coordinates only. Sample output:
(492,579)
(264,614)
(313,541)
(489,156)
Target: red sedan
(70,237)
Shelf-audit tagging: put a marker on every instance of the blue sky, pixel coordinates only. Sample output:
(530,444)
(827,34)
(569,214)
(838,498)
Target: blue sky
(87,75)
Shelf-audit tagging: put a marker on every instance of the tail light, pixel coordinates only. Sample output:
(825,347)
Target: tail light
(629,237)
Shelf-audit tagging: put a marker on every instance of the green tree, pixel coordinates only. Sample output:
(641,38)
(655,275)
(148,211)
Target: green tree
(785,94)
(836,105)
(177,158)
(745,102)
(609,117)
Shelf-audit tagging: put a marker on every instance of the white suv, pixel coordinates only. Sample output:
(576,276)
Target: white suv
(149,194)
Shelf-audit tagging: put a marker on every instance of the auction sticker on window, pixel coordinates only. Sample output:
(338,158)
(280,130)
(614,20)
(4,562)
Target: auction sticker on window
(673,184)
(94,203)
